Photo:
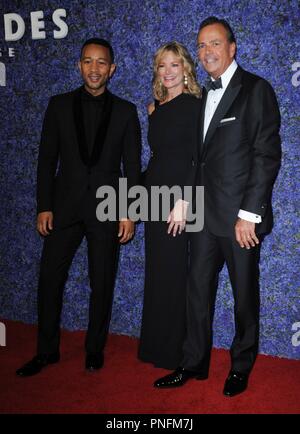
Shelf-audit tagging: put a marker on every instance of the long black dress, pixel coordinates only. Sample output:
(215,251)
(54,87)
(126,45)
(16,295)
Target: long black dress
(173,138)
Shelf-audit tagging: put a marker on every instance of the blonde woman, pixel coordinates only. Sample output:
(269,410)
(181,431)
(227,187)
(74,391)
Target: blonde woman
(173,138)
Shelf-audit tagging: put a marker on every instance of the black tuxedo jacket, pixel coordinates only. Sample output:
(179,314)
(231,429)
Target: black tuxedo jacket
(239,159)
(117,143)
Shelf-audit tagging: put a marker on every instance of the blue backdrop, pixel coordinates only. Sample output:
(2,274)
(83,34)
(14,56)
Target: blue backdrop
(31,70)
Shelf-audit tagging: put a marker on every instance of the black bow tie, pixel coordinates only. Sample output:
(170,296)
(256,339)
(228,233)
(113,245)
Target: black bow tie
(213,85)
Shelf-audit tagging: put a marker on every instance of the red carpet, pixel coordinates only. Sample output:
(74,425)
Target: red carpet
(124,385)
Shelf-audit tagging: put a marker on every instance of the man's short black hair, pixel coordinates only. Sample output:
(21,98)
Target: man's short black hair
(214,20)
(103,43)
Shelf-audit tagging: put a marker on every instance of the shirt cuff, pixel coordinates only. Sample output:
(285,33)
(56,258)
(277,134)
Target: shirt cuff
(249,216)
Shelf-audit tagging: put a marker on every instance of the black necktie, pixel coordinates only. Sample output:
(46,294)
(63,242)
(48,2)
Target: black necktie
(213,85)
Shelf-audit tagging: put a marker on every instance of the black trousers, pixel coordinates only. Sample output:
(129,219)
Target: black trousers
(57,255)
(207,256)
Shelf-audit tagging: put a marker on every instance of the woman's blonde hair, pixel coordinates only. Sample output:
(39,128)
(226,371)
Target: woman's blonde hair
(192,87)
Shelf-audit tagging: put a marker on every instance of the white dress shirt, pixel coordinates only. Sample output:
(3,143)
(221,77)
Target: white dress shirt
(212,102)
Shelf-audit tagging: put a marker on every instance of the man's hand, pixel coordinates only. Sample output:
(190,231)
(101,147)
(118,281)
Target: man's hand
(126,230)
(245,233)
(177,217)
(44,222)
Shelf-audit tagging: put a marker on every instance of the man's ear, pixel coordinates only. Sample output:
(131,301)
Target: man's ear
(79,66)
(233,49)
(113,68)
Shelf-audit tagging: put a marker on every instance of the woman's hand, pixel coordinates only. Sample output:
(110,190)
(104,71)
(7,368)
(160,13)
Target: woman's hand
(177,217)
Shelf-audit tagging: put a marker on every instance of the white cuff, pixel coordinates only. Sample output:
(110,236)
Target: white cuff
(249,216)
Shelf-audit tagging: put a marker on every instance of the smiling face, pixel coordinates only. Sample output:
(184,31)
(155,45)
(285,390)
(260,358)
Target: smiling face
(170,71)
(215,52)
(96,68)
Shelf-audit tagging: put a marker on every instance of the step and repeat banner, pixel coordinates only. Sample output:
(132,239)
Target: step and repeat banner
(39,48)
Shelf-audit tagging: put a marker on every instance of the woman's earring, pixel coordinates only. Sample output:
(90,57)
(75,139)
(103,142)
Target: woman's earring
(185,80)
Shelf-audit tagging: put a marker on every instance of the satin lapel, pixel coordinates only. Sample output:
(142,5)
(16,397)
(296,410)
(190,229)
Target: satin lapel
(102,128)
(229,96)
(201,121)
(79,126)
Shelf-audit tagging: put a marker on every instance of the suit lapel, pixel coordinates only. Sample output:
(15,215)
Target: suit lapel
(79,126)
(229,96)
(202,113)
(102,128)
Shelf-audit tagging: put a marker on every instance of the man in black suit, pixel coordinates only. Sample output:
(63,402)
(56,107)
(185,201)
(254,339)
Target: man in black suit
(239,158)
(90,132)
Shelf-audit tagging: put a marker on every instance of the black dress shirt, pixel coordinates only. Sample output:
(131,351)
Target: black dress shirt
(92,108)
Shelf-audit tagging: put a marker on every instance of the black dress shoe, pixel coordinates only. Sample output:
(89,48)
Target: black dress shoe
(178,378)
(94,361)
(235,383)
(35,365)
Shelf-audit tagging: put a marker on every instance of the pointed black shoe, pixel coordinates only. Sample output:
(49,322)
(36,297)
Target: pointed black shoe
(35,365)
(235,383)
(178,378)
(94,361)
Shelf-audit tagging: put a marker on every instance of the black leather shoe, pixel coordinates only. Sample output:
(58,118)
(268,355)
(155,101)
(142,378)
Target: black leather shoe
(35,365)
(94,361)
(178,378)
(235,383)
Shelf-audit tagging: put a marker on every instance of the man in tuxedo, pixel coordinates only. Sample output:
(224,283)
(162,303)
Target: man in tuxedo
(239,158)
(90,132)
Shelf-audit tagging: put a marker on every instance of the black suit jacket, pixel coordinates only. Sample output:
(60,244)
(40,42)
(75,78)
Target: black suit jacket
(239,159)
(118,141)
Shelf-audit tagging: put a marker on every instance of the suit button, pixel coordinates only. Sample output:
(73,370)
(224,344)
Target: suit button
(193,162)
(202,164)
